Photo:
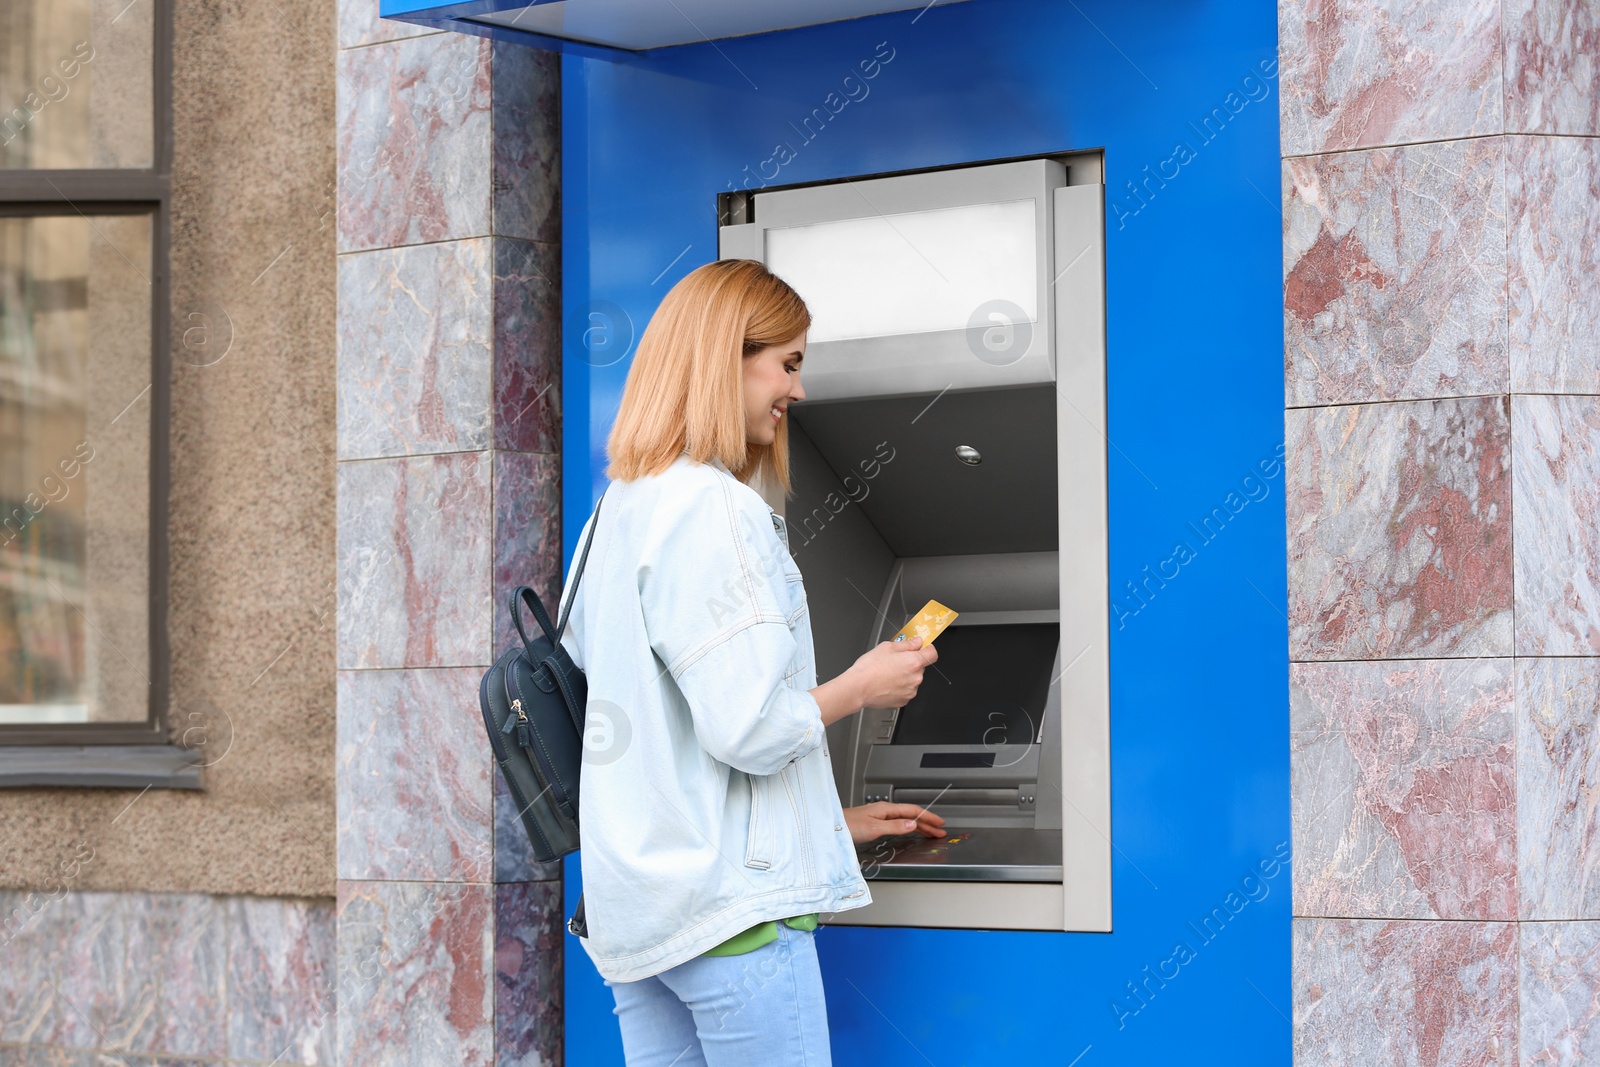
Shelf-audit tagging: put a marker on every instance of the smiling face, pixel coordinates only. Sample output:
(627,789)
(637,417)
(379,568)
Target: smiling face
(771,383)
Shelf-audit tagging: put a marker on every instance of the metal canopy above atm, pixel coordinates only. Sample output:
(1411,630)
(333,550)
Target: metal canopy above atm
(601,26)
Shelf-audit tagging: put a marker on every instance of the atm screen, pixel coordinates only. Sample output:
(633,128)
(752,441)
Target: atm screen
(988,687)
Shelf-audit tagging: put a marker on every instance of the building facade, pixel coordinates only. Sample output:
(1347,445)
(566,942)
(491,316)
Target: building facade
(327,358)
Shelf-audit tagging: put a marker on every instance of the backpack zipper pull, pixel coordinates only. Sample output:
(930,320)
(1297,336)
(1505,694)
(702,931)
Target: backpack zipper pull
(523,738)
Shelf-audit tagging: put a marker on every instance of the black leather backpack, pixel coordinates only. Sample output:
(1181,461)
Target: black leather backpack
(533,701)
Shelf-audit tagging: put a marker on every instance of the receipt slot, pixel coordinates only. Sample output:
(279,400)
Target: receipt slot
(951,447)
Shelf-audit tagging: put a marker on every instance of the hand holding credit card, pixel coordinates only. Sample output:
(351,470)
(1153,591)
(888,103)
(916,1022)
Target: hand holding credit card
(928,623)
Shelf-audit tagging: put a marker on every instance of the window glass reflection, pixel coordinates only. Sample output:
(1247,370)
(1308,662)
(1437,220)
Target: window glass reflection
(76,83)
(74,468)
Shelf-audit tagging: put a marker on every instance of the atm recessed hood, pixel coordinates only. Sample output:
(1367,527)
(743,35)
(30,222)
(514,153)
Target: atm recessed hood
(634,25)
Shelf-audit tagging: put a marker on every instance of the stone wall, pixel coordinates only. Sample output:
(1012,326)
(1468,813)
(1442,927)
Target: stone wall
(1441,254)
(449,934)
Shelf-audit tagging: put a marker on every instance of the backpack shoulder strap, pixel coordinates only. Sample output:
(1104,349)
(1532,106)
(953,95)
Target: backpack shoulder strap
(566,611)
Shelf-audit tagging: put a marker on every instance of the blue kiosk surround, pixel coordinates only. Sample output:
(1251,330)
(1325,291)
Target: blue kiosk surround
(1183,98)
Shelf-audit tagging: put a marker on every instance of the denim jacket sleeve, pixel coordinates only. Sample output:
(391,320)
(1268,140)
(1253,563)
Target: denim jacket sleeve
(712,594)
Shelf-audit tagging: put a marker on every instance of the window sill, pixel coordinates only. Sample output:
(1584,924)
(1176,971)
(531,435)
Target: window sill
(100,766)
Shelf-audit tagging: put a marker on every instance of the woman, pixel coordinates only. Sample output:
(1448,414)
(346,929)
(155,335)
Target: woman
(712,831)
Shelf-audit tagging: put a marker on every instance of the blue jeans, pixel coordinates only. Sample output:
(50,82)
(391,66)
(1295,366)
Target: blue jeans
(761,1007)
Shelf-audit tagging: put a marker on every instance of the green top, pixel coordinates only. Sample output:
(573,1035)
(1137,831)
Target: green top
(761,934)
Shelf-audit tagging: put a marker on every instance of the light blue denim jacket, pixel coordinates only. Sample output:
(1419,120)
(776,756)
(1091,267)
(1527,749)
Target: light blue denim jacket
(708,802)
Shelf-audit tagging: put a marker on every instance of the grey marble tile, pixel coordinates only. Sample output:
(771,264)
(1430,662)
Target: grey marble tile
(415,362)
(1556,474)
(1552,79)
(1395,273)
(1359,73)
(1399,524)
(1560,995)
(1403,789)
(1558,787)
(414,141)
(415,563)
(414,790)
(1554,194)
(417,986)
(1369,991)
(281,985)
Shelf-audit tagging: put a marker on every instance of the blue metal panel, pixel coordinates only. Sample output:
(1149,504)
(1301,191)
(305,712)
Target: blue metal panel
(1183,97)
(458,17)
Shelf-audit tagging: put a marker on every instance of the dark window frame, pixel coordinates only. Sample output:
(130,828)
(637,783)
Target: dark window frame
(132,191)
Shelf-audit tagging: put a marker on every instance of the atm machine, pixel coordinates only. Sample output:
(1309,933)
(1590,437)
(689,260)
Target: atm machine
(952,447)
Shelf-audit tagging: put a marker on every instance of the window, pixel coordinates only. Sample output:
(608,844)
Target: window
(85,164)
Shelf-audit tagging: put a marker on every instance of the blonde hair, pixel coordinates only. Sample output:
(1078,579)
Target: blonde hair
(685,390)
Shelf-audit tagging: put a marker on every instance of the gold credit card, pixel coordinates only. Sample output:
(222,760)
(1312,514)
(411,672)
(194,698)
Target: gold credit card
(927,623)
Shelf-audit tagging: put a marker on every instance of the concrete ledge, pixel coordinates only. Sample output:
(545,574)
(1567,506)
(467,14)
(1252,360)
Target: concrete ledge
(104,766)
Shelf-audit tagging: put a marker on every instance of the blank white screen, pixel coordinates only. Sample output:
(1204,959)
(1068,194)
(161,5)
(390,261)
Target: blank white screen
(918,272)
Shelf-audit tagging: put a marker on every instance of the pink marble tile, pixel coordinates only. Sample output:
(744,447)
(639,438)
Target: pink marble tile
(526,149)
(1558,787)
(142,972)
(1403,787)
(1418,994)
(1560,996)
(414,350)
(527,522)
(1361,73)
(1554,201)
(413,771)
(528,973)
(1552,72)
(1395,273)
(415,563)
(527,346)
(416,964)
(282,998)
(1399,526)
(1557,479)
(413,138)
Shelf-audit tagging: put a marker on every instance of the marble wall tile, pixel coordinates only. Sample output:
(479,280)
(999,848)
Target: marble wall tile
(1558,787)
(1403,786)
(527,523)
(413,773)
(1560,1002)
(1552,74)
(414,350)
(526,120)
(1431,994)
(527,346)
(1360,73)
(142,972)
(417,974)
(1395,273)
(415,562)
(413,136)
(529,936)
(282,994)
(359,24)
(31,949)
(1554,201)
(1557,489)
(1399,524)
